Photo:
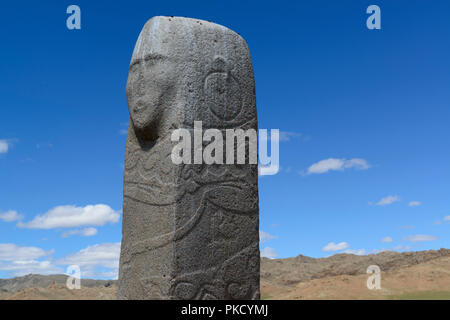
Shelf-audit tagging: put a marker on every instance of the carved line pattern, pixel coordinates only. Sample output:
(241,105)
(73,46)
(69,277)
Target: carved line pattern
(161,240)
(221,69)
(179,233)
(201,290)
(214,270)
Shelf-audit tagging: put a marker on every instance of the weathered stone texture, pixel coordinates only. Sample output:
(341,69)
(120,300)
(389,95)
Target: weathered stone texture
(190,231)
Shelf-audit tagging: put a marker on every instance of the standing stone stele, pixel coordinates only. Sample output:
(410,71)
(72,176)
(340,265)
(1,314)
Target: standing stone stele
(190,231)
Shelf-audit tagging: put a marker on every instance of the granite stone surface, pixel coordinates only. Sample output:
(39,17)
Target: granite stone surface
(190,231)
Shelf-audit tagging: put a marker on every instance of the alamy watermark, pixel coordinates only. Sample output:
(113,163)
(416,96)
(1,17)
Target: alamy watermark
(374,281)
(241,147)
(73,21)
(374,20)
(74,279)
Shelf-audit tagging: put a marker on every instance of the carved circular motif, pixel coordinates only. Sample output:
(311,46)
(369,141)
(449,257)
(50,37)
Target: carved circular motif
(185,291)
(223,95)
(238,291)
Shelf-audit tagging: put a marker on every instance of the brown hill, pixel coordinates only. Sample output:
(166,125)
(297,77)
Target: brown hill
(39,287)
(290,271)
(428,280)
(343,276)
(411,275)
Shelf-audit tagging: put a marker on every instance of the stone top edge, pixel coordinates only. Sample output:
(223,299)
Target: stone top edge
(195,20)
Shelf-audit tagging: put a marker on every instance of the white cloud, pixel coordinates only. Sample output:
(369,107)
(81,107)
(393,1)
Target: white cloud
(10,216)
(269,252)
(333,164)
(105,255)
(447,218)
(124,129)
(358,252)
(97,261)
(400,247)
(72,217)
(386,239)
(284,136)
(420,238)
(21,268)
(17,261)
(335,246)
(4,146)
(264,236)
(287,135)
(387,200)
(414,203)
(86,232)
(12,252)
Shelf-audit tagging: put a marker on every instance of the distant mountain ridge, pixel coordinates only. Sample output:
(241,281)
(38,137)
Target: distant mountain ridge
(41,281)
(298,277)
(290,271)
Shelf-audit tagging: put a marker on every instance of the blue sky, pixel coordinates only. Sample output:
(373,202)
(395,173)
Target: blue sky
(364,116)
